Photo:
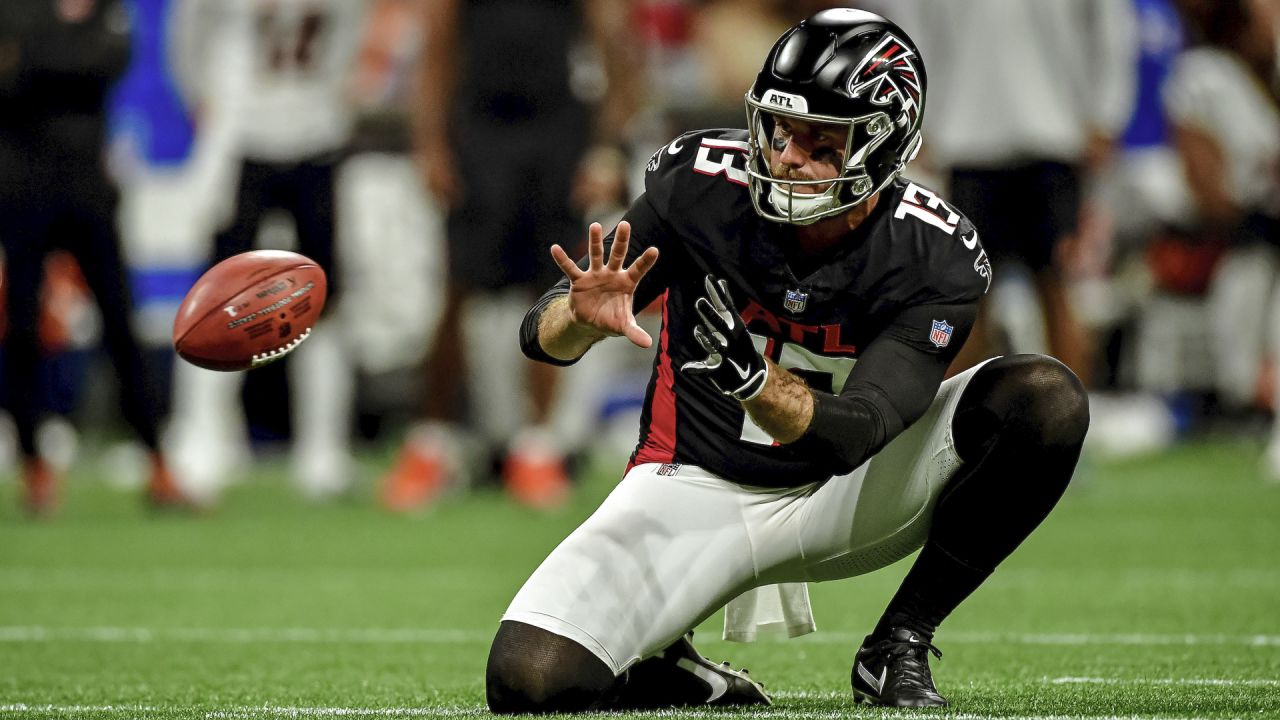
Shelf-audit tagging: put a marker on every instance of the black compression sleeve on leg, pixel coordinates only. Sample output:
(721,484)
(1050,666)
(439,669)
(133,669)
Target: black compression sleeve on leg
(1018,428)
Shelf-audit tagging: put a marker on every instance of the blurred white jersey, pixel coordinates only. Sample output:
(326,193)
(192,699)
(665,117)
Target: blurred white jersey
(1212,90)
(273,74)
(1011,80)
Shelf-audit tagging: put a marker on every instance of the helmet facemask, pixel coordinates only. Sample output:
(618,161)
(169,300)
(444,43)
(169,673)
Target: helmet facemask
(785,200)
(845,67)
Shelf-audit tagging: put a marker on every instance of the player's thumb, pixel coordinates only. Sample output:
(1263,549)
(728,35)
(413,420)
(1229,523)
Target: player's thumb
(637,335)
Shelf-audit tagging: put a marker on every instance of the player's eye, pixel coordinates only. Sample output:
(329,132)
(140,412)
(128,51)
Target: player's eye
(826,154)
(779,142)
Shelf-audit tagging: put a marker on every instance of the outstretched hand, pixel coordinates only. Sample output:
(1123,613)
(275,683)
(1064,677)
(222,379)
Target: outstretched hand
(600,297)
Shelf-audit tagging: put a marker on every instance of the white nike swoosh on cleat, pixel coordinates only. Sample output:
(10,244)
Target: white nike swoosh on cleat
(675,147)
(719,686)
(870,679)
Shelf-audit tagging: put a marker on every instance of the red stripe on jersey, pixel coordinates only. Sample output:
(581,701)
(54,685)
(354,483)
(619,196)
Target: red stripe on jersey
(660,443)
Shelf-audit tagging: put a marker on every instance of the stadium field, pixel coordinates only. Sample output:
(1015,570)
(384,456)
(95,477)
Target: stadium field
(1153,592)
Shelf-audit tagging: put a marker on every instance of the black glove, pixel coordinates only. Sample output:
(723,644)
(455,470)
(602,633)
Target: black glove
(732,363)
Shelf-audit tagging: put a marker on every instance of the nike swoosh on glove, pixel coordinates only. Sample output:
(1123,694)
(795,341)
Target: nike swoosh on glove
(732,364)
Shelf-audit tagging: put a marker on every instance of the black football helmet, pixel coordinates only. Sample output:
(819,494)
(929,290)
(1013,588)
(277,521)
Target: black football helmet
(847,67)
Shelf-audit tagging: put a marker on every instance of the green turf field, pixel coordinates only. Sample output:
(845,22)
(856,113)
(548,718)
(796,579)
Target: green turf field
(1154,591)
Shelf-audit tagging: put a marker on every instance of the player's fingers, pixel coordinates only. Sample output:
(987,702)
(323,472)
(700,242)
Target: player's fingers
(595,246)
(715,320)
(725,298)
(695,367)
(637,335)
(705,341)
(643,264)
(713,294)
(621,239)
(703,306)
(567,266)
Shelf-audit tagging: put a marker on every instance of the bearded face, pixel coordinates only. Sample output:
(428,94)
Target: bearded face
(807,151)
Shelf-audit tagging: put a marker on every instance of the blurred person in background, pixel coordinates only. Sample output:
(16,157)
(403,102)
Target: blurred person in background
(57,62)
(729,37)
(513,150)
(269,81)
(1121,292)
(1223,99)
(1030,98)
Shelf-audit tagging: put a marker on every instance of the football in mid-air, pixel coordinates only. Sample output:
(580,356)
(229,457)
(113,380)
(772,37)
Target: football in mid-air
(249,310)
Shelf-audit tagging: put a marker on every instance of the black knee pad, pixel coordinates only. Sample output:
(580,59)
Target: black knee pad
(532,670)
(1032,399)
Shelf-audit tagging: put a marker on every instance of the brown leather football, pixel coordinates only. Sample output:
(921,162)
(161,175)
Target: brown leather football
(249,310)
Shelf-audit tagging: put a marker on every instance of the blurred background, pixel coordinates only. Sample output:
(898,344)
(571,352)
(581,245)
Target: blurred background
(364,510)
(378,136)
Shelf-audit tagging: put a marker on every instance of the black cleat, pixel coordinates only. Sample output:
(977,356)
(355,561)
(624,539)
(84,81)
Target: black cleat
(681,677)
(894,672)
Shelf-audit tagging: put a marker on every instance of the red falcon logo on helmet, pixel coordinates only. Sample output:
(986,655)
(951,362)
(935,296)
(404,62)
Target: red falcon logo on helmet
(889,74)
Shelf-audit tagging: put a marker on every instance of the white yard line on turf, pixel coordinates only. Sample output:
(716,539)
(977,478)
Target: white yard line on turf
(25,708)
(979,638)
(37,633)
(444,636)
(274,711)
(1257,682)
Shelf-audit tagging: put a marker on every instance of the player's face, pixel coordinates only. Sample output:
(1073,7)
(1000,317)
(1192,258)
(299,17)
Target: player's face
(802,150)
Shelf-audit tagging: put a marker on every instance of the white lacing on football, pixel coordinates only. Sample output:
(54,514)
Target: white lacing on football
(260,359)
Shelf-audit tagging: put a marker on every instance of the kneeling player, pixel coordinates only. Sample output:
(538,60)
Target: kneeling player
(796,426)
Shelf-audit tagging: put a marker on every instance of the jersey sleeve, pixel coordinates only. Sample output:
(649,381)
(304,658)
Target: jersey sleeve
(891,386)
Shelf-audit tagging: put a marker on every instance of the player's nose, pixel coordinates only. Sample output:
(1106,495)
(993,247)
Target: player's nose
(793,155)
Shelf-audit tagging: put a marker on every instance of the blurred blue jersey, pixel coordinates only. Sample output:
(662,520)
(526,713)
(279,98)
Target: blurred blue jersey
(1160,40)
(148,115)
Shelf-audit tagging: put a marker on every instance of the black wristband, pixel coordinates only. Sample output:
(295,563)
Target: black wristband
(529,344)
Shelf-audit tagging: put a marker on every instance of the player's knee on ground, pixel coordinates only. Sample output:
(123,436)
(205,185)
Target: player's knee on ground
(532,670)
(1033,400)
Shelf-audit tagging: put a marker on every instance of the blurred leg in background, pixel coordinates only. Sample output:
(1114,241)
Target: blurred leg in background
(274,79)
(321,385)
(505,127)
(56,192)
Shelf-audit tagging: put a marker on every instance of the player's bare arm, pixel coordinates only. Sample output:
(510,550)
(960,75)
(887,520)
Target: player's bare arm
(599,301)
(784,408)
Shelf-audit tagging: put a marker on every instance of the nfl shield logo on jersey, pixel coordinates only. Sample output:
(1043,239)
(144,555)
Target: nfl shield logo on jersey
(940,335)
(795,301)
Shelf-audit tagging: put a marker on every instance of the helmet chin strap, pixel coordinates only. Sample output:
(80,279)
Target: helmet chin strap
(800,206)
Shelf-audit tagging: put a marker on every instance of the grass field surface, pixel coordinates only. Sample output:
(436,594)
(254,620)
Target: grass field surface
(1152,592)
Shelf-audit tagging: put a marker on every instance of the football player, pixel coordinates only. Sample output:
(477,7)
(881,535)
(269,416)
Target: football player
(797,426)
(270,80)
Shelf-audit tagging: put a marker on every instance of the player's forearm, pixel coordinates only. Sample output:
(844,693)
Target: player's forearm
(560,336)
(784,408)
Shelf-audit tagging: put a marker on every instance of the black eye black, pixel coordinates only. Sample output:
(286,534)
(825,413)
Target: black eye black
(824,153)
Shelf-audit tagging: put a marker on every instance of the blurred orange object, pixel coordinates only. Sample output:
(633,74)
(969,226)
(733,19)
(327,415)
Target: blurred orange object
(420,474)
(64,297)
(1184,264)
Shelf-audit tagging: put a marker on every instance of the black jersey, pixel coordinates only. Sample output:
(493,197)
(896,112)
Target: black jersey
(903,286)
(515,59)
